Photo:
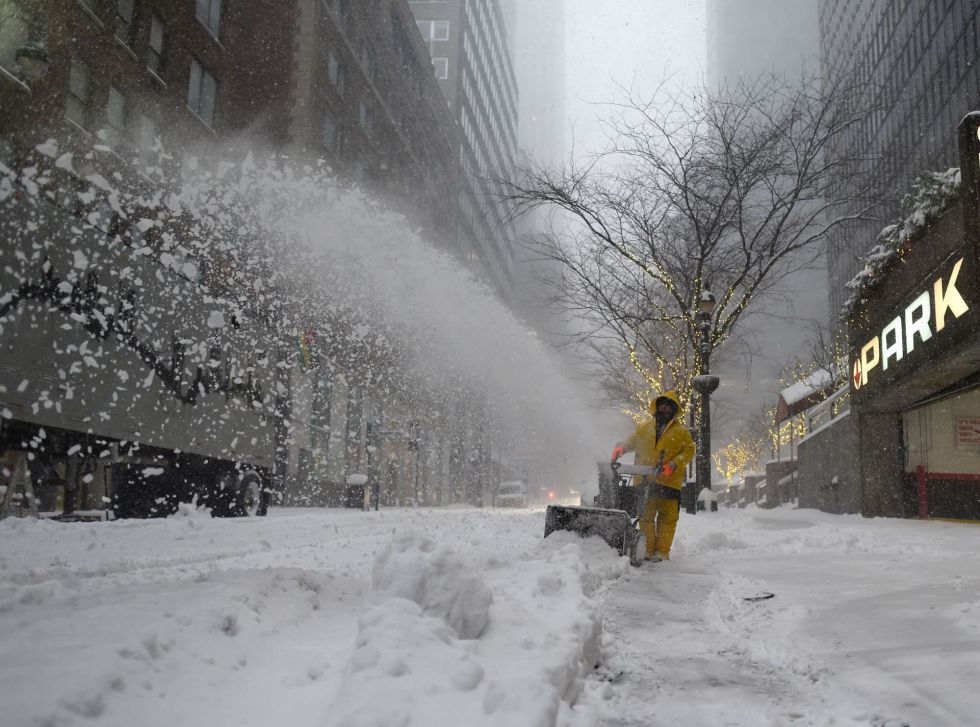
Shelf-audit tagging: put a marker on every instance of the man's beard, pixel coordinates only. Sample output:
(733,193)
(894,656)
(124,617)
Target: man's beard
(663,418)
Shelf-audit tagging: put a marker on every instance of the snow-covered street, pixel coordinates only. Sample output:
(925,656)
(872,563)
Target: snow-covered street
(465,616)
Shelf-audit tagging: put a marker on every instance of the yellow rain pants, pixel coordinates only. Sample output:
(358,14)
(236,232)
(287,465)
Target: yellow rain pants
(658,522)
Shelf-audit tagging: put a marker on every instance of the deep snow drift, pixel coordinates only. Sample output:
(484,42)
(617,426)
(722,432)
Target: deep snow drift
(462,616)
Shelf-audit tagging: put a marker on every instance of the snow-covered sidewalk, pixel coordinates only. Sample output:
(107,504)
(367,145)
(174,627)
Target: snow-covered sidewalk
(318,617)
(871,622)
(463,616)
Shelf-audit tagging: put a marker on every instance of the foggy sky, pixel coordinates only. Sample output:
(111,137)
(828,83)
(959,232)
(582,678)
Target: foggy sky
(637,42)
(626,42)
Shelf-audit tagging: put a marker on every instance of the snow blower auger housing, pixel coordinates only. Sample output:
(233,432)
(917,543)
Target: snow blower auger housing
(615,517)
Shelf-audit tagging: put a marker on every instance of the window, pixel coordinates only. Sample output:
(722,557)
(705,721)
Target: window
(341,10)
(331,132)
(335,72)
(433,29)
(78,93)
(115,117)
(202,93)
(155,51)
(146,140)
(125,15)
(441,66)
(13,33)
(209,13)
(367,61)
(440,30)
(366,118)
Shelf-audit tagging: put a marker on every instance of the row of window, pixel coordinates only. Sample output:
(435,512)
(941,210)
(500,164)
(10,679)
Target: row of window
(490,83)
(208,12)
(487,122)
(925,56)
(202,94)
(332,130)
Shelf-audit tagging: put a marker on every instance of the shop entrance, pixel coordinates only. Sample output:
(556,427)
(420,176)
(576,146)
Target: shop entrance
(942,456)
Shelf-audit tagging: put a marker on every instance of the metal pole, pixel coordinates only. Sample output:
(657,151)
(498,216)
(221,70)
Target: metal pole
(703,474)
(417,446)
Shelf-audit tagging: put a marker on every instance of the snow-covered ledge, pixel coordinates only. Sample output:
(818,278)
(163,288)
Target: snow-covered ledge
(934,193)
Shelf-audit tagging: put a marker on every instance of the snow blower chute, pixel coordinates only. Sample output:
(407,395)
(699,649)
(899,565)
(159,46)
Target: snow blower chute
(615,517)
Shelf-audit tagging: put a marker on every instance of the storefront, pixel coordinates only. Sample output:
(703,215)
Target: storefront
(915,362)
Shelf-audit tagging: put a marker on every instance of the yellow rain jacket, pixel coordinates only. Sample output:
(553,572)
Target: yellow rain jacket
(675,442)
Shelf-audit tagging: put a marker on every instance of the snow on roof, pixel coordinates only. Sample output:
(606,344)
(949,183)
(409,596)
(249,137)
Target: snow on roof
(817,381)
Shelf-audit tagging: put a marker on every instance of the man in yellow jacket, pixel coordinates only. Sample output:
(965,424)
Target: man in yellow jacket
(664,433)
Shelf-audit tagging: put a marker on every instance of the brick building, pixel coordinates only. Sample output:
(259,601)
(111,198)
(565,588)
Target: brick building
(344,81)
(347,82)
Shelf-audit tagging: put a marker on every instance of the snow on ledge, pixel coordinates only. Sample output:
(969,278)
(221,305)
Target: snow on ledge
(933,193)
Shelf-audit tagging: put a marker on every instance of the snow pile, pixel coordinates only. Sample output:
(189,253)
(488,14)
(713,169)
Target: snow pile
(445,645)
(933,194)
(315,618)
(411,567)
(192,513)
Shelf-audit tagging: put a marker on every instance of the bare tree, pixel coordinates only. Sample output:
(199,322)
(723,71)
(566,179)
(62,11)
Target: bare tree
(727,191)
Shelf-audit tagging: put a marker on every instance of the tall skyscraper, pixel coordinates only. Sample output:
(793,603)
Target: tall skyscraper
(539,61)
(471,57)
(922,57)
(750,40)
(753,37)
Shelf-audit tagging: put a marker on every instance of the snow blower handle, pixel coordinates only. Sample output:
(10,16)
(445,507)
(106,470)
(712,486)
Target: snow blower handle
(660,465)
(618,451)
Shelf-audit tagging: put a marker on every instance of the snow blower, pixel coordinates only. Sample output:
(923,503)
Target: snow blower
(616,515)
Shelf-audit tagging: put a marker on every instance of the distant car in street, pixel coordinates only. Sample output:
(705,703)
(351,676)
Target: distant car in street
(511,494)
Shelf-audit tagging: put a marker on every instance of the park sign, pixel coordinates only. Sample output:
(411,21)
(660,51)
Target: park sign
(920,325)
(920,330)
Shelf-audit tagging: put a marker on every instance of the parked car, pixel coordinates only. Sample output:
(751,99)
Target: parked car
(511,494)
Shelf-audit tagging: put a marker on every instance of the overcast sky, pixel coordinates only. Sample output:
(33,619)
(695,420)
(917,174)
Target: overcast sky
(626,41)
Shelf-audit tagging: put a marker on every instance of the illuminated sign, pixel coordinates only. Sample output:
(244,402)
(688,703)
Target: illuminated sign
(921,320)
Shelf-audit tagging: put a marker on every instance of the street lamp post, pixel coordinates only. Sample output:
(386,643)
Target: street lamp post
(704,384)
(415,444)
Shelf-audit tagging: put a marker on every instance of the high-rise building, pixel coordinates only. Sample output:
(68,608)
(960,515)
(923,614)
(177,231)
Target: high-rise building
(472,58)
(539,62)
(348,82)
(914,361)
(922,58)
(753,37)
(749,41)
(101,82)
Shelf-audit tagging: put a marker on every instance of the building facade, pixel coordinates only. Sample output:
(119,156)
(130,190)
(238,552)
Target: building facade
(472,58)
(911,313)
(211,389)
(539,63)
(923,60)
(749,42)
(758,37)
(915,359)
